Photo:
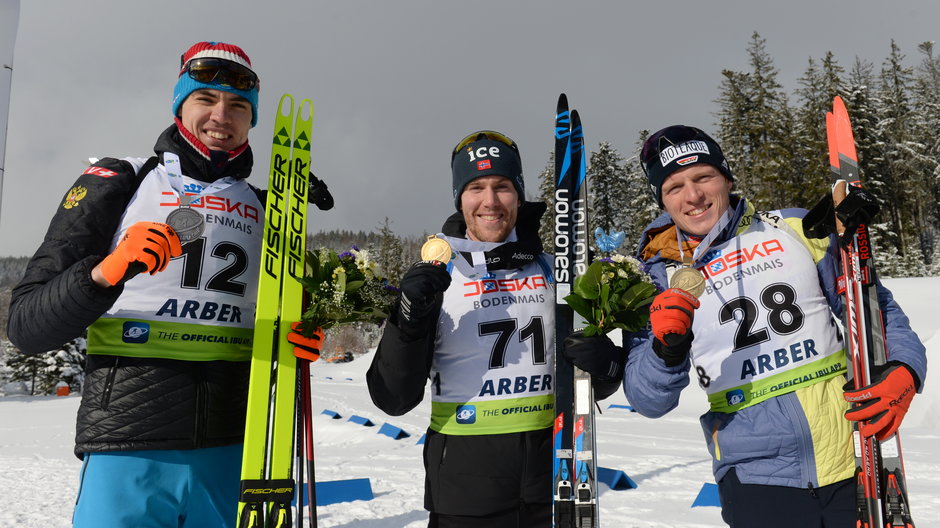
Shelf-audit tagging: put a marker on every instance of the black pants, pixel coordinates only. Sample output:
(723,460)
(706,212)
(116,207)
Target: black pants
(529,516)
(496,479)
(760,506)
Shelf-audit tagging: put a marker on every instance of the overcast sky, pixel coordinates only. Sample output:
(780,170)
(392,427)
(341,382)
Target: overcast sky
(397,83)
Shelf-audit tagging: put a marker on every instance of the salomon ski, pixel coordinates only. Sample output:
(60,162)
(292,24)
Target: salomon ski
(881,487)
(573,463)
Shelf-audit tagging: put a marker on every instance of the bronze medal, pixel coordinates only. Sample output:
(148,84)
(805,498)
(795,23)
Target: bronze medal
(688,279)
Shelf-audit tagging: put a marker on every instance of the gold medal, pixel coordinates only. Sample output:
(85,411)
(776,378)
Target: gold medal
(436,249)
(688,279)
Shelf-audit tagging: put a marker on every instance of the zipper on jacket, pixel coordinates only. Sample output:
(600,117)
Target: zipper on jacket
(202,406)
(109,384)
(799,420)
(812,490)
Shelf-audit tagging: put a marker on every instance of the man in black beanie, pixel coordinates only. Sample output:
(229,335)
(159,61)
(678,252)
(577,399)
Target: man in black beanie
(757,333)
(478,322)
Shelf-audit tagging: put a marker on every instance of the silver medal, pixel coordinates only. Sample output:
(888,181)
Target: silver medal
(188,224)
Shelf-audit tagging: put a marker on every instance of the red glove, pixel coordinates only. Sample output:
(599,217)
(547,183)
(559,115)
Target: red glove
(305,347)
(146,246)
(672,312)
(884,402)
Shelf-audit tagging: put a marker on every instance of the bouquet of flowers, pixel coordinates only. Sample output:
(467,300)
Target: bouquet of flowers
(344,289)
(614,292)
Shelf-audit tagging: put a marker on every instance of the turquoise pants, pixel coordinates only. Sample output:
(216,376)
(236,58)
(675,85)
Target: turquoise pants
(159,489)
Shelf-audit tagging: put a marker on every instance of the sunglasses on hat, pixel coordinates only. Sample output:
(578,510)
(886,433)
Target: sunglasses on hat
(222,72)
(483,134)
(665,138)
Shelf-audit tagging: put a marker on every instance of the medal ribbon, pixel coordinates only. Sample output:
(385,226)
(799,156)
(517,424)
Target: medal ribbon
(172,164)
(702,248)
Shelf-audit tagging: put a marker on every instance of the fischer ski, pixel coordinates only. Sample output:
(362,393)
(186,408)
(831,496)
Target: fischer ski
(881,491)
(267,485)
(574,461)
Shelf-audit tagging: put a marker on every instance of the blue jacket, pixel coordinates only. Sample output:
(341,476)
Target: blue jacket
(798,439)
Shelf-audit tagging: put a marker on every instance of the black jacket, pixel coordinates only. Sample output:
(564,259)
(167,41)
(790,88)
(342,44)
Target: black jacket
(465,475)
(127,403)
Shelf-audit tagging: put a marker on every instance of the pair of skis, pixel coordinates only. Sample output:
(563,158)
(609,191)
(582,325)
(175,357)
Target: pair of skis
(573,446)
(279,389)
(881,487)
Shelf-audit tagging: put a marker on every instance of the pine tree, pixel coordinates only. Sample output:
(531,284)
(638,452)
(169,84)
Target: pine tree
(926,123)
(818,86)
(903,189)
(757,129)
(547,195)
(607,189)
(641,207)
(42,372)
(388,253)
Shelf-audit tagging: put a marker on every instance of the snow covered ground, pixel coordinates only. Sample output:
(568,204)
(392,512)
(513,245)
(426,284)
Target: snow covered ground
(665,457)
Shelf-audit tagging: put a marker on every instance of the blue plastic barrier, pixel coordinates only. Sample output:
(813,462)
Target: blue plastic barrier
(361,421)
(395,433)
(615,479)
(707,496)
(336,491)
(421,440)
(332,414)
(618,406)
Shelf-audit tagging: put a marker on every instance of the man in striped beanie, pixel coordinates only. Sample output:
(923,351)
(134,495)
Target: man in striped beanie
(217,66)
(162,418)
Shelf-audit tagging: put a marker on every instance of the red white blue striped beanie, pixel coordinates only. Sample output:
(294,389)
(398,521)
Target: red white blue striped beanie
(219,50)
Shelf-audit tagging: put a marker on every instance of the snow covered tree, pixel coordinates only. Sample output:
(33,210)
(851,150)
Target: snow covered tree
(547,195)
(641,207)
(42,372)
(756,130)
(608,199)
(388,253)
(818,86)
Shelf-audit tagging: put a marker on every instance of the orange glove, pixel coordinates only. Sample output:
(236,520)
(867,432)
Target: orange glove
(671,313)
(146,246)
(884,402)
(305,347)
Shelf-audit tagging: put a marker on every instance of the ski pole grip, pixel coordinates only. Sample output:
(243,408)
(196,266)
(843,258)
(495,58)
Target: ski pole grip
(839,191)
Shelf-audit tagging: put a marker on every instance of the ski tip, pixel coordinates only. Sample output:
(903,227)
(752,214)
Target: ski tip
(838,106)
(561,109)
(833,142)
(288,100)
(843,128)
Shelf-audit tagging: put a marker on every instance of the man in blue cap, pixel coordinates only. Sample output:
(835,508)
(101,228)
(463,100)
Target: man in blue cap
(162,417)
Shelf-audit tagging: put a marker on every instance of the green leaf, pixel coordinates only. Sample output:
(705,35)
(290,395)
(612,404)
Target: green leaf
(354,285)
(579,305)
(588,285)
(638,293)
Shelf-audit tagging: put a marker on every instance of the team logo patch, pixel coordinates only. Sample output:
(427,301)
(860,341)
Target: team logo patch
(135,332)
(735,397)
(484,164)
(466,414)
(686,161)
(100,171)
(674,152)
(74,196)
